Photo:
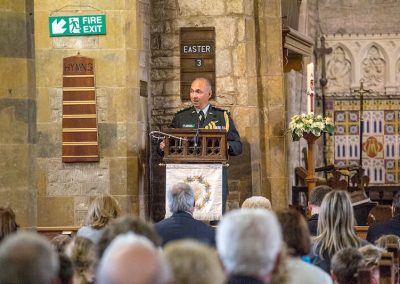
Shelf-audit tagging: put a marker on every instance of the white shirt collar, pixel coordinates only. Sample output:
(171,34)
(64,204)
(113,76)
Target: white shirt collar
(205,110)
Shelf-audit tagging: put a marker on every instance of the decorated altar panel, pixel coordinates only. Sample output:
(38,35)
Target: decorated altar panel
(381,139)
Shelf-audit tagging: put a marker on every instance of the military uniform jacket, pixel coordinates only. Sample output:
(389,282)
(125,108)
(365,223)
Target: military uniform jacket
(216,118)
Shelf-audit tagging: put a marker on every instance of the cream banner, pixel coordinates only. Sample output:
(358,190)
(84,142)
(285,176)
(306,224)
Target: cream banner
(206,182)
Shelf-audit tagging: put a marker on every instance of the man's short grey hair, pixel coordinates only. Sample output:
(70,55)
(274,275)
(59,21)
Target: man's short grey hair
(126,241)
(180,198)
(27,257)
(249,241)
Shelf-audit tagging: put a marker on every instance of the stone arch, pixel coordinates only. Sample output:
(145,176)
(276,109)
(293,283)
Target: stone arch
(374,66)
(396,69)
(339,68)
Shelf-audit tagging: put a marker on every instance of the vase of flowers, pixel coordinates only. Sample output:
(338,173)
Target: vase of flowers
(306,125)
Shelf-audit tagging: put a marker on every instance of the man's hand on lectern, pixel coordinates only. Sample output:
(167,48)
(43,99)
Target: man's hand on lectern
(162,145)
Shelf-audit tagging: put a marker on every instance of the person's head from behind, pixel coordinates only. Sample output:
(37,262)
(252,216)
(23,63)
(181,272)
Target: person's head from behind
(180,198)
(27,257)
(101,211)
(345,264)
(396,204)
(295,232)
(200,92)
(60,242)
(82,253)
(371,254)
(336,224)
(316,197)
(8,224)
(192,262)
(124,225)
(249,242)
(257,202)
(132,259)
(386,240)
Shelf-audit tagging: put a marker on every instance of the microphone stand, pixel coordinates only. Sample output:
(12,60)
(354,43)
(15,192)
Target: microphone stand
(196,137)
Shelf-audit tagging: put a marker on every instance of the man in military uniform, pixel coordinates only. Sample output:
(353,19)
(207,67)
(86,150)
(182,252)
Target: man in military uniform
(203,115)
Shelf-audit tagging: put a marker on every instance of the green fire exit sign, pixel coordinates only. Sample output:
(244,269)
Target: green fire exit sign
(77,25)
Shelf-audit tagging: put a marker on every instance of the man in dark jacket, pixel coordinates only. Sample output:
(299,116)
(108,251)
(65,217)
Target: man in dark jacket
(389,227)
(314,204)
(182,225)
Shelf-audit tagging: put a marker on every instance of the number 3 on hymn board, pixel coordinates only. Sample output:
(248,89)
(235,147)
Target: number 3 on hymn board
(198,62)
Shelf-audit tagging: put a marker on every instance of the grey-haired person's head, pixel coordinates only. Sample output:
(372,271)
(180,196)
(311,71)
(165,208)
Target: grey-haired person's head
(27,257)
(249,242)
(180,198)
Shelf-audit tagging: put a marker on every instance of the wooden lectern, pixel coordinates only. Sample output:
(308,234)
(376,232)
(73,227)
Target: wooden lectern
(196,146)
(197,157)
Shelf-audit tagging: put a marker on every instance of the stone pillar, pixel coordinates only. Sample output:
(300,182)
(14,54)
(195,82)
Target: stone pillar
(272,102)
(17,110)
(65,190)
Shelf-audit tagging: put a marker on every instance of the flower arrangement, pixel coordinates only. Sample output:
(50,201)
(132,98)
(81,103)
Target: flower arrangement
(309,124)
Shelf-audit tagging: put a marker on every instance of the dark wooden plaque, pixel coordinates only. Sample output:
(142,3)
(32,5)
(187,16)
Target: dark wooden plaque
(79,120)
(197,49)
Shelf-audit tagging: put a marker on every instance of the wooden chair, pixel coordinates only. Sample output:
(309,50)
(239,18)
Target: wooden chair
(386,269)
(381,213)
(392,248)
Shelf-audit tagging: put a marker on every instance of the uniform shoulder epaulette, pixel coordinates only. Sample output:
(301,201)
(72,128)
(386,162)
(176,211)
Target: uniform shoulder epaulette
(185,109)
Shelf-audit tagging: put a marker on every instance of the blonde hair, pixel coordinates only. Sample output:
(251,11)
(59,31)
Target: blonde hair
(101,211)
(335,225)
(371,254)
(386,240)
(257,202)
(83,256)
(192,262)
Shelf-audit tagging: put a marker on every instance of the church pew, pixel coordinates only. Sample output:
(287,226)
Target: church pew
(51,232)
(361,231)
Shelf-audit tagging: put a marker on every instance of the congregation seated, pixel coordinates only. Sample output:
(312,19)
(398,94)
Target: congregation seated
(192,262)
(386,240)
(335,229)
(345,264)
(257,202)
(249,243)
(8,224)
(297,238)
(182,225)
(391,226)
(103,209)
(314,206)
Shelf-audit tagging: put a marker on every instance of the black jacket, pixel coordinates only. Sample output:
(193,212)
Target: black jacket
(313,224)
(216,118)
(182,225)
(389,227)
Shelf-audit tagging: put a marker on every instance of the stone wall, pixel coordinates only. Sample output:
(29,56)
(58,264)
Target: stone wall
(64,190)
(17,110)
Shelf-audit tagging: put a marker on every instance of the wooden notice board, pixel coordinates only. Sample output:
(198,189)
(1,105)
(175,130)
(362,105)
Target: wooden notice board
(197,51)
(79,120)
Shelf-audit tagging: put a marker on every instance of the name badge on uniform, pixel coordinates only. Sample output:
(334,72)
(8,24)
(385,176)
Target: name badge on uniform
(188,126)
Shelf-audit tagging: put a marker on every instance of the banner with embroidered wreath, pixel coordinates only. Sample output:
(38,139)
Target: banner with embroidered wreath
(206,182)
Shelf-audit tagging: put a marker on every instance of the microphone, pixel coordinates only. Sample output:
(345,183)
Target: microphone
(196,136)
